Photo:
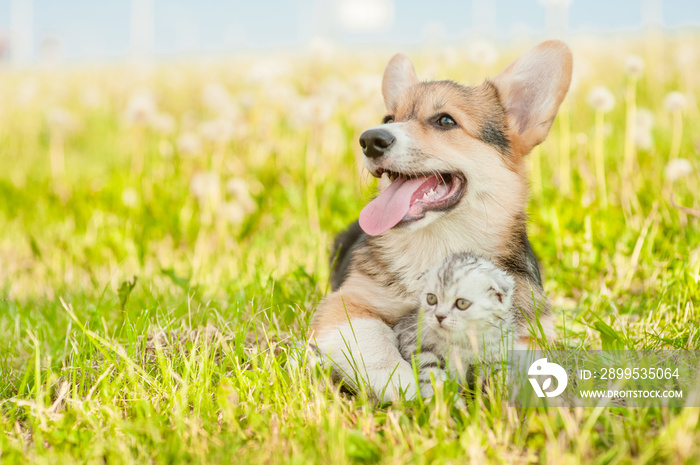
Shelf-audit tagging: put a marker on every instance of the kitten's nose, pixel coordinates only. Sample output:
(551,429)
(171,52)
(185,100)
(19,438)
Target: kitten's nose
(440,318)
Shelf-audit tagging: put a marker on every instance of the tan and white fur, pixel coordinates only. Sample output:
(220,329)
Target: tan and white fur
(377,278)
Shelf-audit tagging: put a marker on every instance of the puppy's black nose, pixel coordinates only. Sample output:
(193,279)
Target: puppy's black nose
(439,318)
(375,142)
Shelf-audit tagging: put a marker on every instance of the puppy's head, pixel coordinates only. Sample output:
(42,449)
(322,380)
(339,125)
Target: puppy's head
(442,144)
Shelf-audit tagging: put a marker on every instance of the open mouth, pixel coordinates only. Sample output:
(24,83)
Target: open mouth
(409,198)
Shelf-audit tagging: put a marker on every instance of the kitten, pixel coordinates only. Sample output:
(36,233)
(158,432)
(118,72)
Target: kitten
(465,316)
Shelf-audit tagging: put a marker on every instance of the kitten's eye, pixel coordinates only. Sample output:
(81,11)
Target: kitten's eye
(388,119)
(462,304)
(446,121)
(431,299)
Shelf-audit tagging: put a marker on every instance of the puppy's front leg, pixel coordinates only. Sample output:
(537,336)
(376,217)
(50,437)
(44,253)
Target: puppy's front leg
(362,348)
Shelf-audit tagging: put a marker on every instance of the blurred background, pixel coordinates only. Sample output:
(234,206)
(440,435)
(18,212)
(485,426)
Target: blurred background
(149,135)
(35,31)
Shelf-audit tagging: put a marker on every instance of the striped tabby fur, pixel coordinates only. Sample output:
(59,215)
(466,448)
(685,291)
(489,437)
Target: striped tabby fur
(447,340)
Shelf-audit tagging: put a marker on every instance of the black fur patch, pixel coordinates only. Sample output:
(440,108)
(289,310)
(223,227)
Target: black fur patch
(341,255)
(494,134)
(522,260)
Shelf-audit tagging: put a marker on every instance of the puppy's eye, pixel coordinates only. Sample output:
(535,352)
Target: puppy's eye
(388,119)
(462,304)
(431,299)
(446,121)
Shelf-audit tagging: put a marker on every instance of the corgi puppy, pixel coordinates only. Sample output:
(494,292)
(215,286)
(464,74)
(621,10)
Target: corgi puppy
(451,162)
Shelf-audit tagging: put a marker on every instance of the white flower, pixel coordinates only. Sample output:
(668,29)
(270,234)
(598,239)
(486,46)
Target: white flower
(321,48)
(644,119)
(265,71)
(677,169)
(27,92)
(163,123)
(674,101)
(232,212)
(217,98)
(141,107)
(482,53)
(601,99)
(189,144)
(313,110)
(643,138)
(634,65)
(217,130)
(239,189)
(366,85)
(165,148)
(205,186)
(61,120)
(91,97)
(685,55)
(130,197)
(282,94)
(246,100)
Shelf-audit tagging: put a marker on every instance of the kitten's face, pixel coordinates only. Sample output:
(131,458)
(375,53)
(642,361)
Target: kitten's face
(459,303)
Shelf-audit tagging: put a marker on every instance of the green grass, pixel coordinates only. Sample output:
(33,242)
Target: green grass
(139,325)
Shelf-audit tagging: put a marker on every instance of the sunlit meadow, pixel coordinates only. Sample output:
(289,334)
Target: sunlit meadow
(164,240)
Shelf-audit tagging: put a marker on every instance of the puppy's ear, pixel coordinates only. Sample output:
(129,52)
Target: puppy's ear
(399,75)
(531,90)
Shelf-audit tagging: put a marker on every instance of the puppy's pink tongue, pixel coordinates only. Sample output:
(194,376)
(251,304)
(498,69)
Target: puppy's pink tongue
(385,212)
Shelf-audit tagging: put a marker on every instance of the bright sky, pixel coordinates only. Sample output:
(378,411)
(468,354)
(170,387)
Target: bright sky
(99,29)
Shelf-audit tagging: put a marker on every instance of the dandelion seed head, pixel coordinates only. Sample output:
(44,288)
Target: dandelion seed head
(27,92)
(240,191)
(675,101)
(644,119)
(217,98)
(188,143)
(162,123)
(265,71)
(219,130)
(686,55)
(246,100)
(336,90)
(314,110)
(165,148)
(130,197)
(321,48)
(232,212)
(677,169)
(206,187)
(601,99)
(366,85)
(61,120)
(91,98)
(141,108)
(282,94)
(643,138)
(634,66)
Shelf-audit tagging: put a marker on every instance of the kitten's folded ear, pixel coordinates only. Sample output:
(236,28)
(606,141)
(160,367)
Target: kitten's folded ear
(503,284)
